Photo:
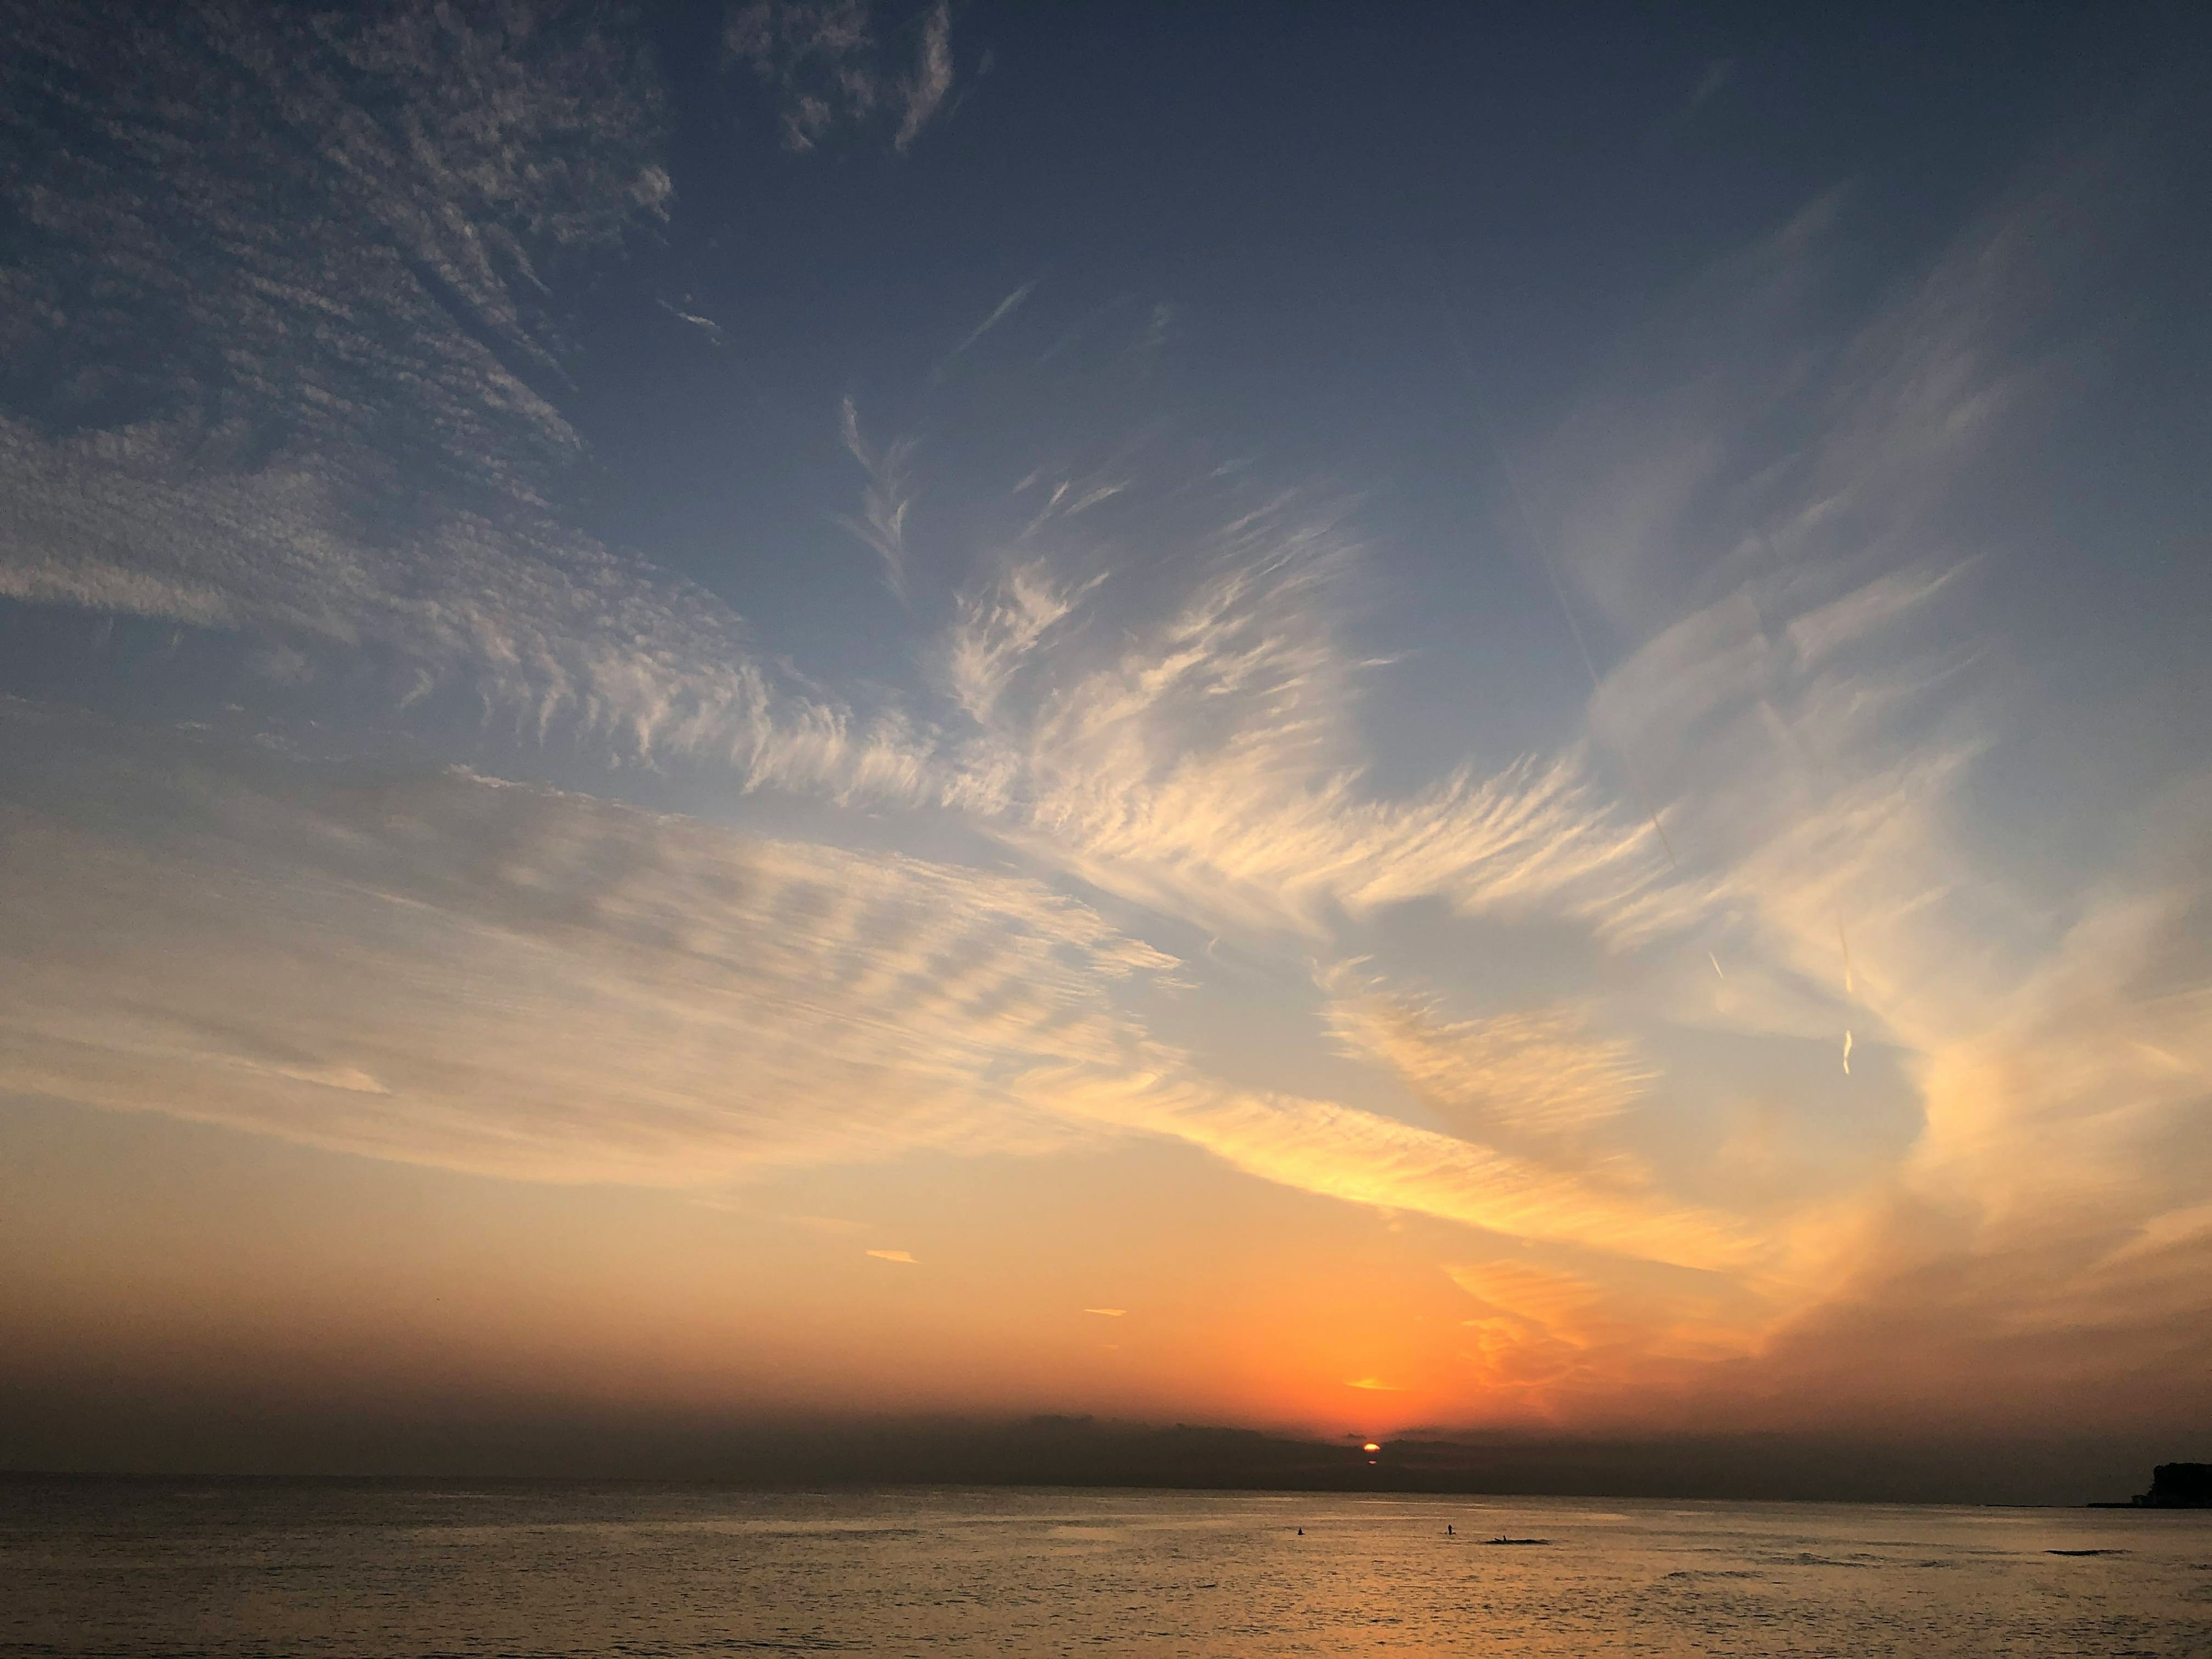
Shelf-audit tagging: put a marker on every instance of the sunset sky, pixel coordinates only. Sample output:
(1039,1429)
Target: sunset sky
(1334,717)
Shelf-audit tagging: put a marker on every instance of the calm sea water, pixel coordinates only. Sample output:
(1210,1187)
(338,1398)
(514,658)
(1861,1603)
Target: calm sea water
(674,1571)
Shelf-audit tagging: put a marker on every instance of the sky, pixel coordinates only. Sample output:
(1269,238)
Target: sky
(1333,717)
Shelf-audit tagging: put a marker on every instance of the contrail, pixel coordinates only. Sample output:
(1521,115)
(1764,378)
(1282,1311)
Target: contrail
(1847,1053)
(1006,307)
(1716,961)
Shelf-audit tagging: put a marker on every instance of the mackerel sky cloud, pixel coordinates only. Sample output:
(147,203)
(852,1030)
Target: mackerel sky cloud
(713,605)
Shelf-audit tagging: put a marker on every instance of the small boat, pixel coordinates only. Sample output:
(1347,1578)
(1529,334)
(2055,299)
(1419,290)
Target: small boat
(1502,1539)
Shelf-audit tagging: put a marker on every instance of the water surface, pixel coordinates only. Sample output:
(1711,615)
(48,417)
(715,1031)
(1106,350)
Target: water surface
(544,1569)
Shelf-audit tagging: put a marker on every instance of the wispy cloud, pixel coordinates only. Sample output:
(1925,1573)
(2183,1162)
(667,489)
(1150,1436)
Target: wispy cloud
(999,629)
(1814,719)
(1363,1158)
(347,943)
(399,301)
(1545,1342)
(344,939)
(885,502)
(921,90)
(1209,765)
(1143,694)
(1533,1082)
(707,325)
(399,327)
(829,63)
(273,384)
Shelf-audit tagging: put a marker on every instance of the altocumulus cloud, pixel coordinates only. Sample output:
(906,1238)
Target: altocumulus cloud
(521,982)
(512,981)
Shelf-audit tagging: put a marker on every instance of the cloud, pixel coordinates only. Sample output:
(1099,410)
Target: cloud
(921,90)
(882,521)
(340,432)
(893,1255)
(1107,1313)
(1550,1343)
(340,436)
(530,626)
(2073,1108)
(1817,743)
(434,168)
(1363,1158)
(705,325)
(1530,1081)
(1145,689)
(999,629)
(543,986)
(826,61)
(1208,764)
(1810,702)
(523,983)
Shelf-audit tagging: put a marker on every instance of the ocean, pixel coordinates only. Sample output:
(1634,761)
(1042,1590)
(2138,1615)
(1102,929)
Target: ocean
(543,1569)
